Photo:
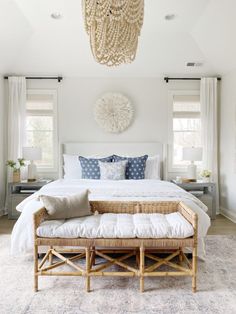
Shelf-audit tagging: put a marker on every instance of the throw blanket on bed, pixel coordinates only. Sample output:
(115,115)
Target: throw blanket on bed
(150,190)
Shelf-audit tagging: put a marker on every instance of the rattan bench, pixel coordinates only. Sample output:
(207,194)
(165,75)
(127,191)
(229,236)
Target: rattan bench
(141,248)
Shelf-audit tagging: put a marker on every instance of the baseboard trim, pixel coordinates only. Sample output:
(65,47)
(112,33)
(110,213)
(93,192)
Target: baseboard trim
(228,214)
(2,212)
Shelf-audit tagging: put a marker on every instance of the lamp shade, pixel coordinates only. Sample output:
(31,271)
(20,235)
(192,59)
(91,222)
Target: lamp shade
(32,153)
(192,153)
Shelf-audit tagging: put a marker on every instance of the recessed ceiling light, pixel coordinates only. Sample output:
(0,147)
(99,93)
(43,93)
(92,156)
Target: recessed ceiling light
(194,64)
(170,17)
(56,15)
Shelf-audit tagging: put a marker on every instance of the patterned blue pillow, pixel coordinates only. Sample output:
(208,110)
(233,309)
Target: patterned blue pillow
(135,169)
(90,167)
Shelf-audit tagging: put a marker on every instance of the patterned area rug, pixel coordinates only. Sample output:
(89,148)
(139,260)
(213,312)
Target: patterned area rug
(216,288)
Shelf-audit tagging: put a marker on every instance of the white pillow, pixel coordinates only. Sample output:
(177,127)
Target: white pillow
(72,167)
(152,170)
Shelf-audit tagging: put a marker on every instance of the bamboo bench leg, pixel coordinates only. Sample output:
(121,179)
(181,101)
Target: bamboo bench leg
(180,255)
(50,259)
(93,256)
(35,268)
(194,269)
(141,269)
(87,252)
(137,256)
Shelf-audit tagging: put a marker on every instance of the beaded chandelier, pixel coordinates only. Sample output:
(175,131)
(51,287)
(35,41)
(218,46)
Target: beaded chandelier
(113,27)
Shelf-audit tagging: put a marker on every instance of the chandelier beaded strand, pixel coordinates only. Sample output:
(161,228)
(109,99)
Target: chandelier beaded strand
(113,27)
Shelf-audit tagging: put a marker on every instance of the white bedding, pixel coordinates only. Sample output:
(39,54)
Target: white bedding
(22,234)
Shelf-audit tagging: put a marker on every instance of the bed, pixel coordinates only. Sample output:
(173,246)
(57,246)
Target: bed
(130,190)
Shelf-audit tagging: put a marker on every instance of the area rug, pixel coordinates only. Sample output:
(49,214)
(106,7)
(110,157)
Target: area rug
(216,288)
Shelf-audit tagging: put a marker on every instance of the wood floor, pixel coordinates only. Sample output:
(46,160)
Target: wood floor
(223,226)
(220,225)
(6,225)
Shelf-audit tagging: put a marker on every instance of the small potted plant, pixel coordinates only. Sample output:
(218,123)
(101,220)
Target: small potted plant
(205,174)
(15,166)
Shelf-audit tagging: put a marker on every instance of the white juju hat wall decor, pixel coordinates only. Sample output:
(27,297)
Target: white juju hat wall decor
(113,112)
(113,27)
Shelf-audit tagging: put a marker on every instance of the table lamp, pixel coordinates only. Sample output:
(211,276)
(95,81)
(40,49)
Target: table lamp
(192,154)
(32,154)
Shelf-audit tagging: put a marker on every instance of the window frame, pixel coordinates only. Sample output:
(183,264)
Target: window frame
(171,93)
(54,114)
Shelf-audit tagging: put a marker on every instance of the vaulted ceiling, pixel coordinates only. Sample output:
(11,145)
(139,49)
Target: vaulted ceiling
(31,42)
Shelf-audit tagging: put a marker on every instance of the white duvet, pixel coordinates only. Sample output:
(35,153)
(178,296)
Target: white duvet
(22,234)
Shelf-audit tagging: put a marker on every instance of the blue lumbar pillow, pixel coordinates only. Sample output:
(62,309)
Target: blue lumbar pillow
(90,166)
(135,169)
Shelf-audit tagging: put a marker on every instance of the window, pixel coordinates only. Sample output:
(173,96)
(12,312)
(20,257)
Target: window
(41,126)
(185,126)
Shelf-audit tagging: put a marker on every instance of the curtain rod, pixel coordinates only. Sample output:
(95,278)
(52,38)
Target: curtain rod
(167,79)
(58,78)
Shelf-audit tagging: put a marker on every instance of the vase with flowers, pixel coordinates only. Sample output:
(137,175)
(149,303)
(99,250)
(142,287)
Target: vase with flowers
(16,166)
(206,175)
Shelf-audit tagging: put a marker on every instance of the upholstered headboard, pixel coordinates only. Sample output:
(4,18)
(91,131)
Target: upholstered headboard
(109,148)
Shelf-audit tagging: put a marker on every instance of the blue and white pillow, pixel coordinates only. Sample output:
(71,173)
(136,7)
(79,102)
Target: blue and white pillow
(135,169)
(90,167)
(113,170)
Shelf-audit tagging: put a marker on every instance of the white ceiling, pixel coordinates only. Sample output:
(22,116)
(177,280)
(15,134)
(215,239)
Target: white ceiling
(31,42)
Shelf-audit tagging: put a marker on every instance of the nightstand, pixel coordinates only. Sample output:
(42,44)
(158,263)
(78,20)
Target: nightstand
(17,192)
(205,191)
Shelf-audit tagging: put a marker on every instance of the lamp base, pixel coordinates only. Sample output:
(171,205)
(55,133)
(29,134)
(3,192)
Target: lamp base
(32,172)
(192,172)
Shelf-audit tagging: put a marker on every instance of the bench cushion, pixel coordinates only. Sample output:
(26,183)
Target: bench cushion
(110,225)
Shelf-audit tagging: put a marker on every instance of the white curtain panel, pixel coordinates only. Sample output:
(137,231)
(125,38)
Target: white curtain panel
(208,99)
(16,116)
(16,120)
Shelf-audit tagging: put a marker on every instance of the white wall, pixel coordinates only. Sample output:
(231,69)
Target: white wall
(76,98)
(228,146)
(2,145)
